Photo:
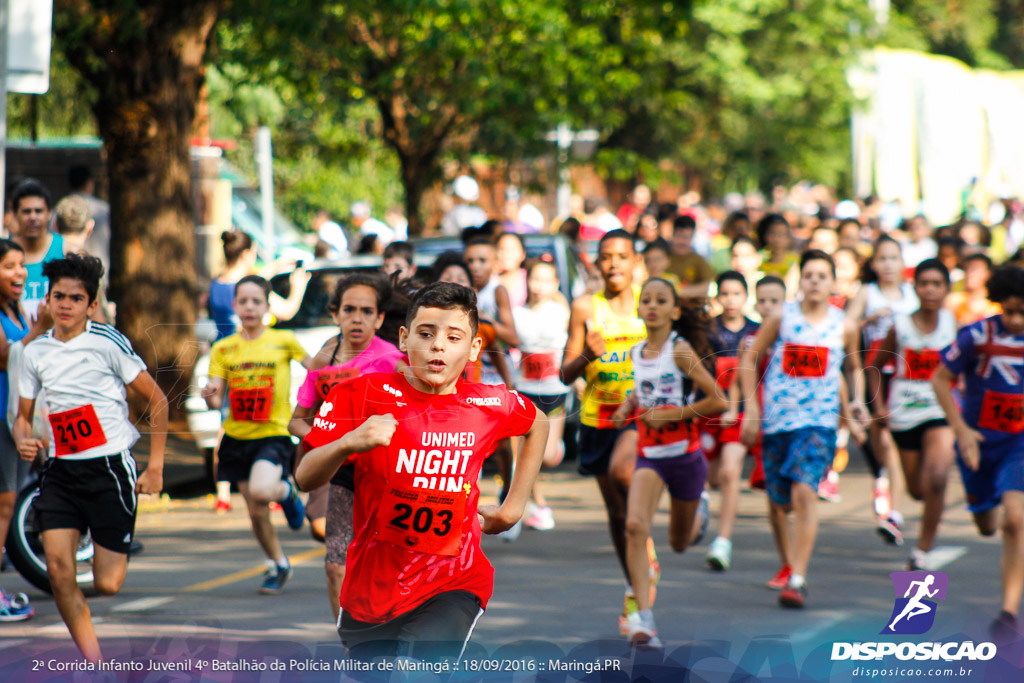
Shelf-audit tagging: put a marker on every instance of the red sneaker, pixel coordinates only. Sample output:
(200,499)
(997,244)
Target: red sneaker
(793,596)
(222,506)
(781,579)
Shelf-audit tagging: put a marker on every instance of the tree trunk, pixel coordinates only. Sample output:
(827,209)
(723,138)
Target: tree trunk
(146,66)
(415,182)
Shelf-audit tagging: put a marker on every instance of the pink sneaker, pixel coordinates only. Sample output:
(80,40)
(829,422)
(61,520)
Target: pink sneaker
(828,487)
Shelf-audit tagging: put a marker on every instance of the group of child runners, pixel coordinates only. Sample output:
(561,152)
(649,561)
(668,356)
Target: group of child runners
(394,427)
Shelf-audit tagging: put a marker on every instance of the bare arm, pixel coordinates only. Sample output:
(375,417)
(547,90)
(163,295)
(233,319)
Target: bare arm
(749,381)
(696,290)
(213,392)
(873,376)
(531,453)
(151,481)
(967,439)
(504,327)
(854,368)
(28,448)
(300,425)
(319,465)
(580,346)
(285,309)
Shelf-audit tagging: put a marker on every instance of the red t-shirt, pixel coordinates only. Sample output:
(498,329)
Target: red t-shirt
(416,531)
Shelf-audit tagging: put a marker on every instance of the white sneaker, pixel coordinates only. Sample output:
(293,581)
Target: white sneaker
(542,519)
(642,630)
(513,533)
(720,554)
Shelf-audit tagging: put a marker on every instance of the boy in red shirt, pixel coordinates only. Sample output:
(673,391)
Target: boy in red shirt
(415,572)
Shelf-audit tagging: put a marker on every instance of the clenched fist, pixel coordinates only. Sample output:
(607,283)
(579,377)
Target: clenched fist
(376,431)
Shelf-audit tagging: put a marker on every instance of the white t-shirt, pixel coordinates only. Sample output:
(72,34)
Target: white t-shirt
(383,231)
(542,332)
(90,370)
(334,235)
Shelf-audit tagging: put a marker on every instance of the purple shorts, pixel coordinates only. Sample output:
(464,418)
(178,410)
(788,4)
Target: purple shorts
(683,474)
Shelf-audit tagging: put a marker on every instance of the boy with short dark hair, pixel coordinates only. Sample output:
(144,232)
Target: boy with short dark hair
(693,271)
(90,481)
(398,258)
(989,354)
(418,438)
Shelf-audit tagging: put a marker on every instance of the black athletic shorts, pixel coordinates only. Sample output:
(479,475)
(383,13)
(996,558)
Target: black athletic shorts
(236,456)
(594,448)
(436,630)
(97,494)
(913,438)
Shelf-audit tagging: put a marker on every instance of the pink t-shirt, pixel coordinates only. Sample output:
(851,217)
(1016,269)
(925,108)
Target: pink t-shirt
(379,356)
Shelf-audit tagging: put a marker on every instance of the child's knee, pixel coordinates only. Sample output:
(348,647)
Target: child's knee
(637,527)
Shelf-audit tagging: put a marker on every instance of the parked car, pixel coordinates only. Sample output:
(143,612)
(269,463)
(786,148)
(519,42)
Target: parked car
(313,324)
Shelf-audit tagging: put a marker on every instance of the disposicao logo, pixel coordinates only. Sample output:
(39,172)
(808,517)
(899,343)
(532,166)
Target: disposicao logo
(916,593)
(913,613)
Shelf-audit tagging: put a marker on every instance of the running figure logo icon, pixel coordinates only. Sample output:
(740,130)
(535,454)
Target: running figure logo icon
(914,611)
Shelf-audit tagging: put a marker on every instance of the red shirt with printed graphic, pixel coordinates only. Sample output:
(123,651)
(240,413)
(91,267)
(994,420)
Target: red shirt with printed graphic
(416,531)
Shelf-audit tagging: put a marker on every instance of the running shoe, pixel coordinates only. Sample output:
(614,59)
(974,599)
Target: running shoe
(275,506)
(920,561)
(781,579)
(275,577)
(14,607)
(891,528)
(294,510)
(828,487)
(222,506)
(1004,628)
(881,499)
(702,510)
(542,519)
(643,632)
(629,607)
(512,533)
(794,594)
(720,554)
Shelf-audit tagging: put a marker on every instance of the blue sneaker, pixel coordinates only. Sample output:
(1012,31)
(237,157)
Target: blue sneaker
(294,510)
(275,577)
(14,607)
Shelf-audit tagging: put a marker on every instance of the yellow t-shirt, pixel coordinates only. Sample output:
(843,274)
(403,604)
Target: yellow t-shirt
(610,377)
(258,376)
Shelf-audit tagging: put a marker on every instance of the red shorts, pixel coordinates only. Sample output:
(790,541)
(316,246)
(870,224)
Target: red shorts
(713,434)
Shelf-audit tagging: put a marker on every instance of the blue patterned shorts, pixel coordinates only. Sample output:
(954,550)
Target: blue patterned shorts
(800,456)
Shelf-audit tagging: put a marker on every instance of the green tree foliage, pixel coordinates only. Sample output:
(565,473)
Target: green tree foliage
(143,59)
(323,158)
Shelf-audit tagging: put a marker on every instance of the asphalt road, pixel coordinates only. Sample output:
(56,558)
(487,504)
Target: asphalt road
(193,592)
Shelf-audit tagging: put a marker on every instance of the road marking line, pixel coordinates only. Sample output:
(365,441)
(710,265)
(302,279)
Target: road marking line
(295,560)
(810,632)
(945,554)
(142,604)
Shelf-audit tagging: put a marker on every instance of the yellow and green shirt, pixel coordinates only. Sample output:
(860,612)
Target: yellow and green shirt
(610,377)
(258,378)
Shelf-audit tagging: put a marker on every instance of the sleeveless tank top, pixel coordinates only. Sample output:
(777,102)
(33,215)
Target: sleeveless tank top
(801,384)
(911,398)
(610,377)
(659,382)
